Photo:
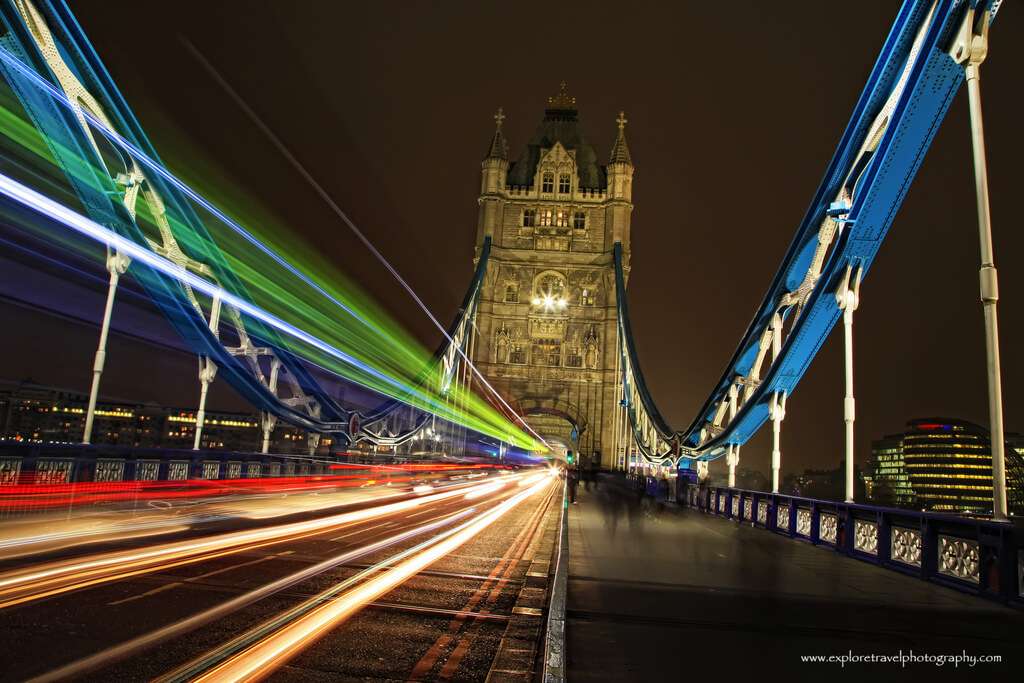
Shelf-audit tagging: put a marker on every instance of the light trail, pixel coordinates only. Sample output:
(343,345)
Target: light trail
(59,531)
(483,411)
(110,655)
(324,613)
(297,165)
(89,228)
(52,578)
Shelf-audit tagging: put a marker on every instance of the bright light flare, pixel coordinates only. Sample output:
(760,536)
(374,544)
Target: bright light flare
(533,479)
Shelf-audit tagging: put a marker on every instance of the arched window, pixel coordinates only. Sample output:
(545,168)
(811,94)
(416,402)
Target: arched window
(547,183)
(564,183)
(579,220)
(545,217)
(587,297)
(529,216)
(549,291)
(512,292)
(561,219)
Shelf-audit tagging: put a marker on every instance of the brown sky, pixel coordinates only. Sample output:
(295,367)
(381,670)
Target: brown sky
(734,113)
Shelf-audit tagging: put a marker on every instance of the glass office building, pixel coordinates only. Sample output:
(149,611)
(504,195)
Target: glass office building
(943,465)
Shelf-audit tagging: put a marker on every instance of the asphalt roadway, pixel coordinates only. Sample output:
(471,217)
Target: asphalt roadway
(683,594)
(473,613)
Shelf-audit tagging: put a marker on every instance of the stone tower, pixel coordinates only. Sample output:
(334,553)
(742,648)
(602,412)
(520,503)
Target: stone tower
(546,316)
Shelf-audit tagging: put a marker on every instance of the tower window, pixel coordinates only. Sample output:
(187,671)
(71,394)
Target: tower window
(561,219)
(515,356)
(579,220)
(587,298)
(564,183)
(512,293)
(529,217)
(545,217)
(547,352)
(547,183)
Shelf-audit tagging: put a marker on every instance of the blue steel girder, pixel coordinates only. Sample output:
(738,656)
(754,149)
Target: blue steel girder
(47,39)
(71,99)
(892,126)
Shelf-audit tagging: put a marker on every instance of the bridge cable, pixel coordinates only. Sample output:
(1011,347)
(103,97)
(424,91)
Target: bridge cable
(297,165)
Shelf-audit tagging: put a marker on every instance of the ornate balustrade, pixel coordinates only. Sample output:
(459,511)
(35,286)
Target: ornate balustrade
(973,555)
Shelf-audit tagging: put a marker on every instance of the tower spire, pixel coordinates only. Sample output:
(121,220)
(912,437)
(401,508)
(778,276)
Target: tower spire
(620,151)
(499,146)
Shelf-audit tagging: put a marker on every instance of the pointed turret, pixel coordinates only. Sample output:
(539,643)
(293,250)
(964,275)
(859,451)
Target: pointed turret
(495,164)
(494,169)
(499,146)
(620,188)
(620,151)
(620,166)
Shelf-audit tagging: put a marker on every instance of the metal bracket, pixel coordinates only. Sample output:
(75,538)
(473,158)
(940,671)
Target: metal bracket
(970,46)
(847,294)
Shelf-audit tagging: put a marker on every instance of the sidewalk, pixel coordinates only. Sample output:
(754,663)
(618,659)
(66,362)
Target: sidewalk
(690,593)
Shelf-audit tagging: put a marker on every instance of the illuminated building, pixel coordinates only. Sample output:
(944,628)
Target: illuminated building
(547,310)
(943,465)
(33,413)
(890,484)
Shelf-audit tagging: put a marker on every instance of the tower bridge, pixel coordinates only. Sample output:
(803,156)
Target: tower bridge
(547,317)
(159,553)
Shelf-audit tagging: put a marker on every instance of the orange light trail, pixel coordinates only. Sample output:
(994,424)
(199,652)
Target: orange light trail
(262,658)
(51,578)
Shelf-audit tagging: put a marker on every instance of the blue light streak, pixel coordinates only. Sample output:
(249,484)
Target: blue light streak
(85,226)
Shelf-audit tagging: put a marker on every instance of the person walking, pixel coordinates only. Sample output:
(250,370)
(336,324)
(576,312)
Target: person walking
(572,478)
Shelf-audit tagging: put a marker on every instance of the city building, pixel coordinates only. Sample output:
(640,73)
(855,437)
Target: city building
(31,412)
(944,465)
(547,310)
(889,484)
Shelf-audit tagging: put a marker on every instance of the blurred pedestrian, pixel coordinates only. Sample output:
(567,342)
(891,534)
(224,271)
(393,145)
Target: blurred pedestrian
(610,499)
(572,478)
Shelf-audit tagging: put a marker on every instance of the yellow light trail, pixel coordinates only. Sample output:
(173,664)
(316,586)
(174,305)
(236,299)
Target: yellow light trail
(48,579)
(105,657)
(262,658)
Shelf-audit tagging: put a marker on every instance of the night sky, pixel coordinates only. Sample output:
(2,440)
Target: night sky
(734,113)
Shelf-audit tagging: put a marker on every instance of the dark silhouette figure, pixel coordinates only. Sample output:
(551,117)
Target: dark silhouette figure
(572,478)
(611,501)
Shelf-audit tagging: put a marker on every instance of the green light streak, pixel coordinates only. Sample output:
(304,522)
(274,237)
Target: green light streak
(365,330)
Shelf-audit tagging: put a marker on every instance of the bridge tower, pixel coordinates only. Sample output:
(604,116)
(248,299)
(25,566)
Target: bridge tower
(546,318)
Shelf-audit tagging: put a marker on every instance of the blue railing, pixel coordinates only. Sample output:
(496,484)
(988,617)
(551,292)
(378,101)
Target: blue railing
(976,556)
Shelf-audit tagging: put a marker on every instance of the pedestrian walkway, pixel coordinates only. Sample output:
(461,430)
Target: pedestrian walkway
(688,593)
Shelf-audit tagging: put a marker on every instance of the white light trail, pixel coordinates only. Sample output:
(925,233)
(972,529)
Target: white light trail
(40,581)
(28,197)
(260,660)
(116,138)
(110,655)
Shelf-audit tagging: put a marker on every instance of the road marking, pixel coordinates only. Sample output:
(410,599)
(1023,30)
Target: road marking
(196,578)
(360,531)
(420,514)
